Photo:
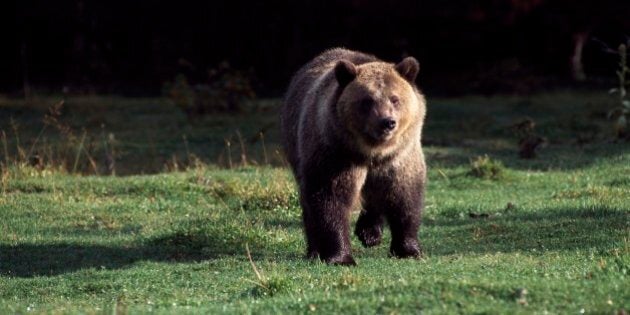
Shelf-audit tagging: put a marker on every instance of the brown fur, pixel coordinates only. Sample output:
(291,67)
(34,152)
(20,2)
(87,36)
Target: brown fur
(351,129)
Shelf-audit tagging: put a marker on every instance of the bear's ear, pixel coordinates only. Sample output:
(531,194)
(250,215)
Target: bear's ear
(345,72)
(408,68)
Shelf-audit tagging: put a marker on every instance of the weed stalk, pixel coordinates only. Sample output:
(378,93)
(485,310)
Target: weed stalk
(243,152)
(76,159)
(264,148)
(228,146)
(5,146)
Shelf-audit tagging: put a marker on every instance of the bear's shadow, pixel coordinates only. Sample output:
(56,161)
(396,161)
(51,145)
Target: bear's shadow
(31,260)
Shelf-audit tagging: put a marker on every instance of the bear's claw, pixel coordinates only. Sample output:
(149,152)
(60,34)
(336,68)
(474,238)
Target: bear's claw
(369,236)
(406,251)
(345,260)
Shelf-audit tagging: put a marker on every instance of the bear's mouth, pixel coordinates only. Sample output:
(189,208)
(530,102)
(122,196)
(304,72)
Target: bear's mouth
(378,137)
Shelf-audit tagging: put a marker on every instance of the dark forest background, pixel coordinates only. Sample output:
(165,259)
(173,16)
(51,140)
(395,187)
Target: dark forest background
(133,47)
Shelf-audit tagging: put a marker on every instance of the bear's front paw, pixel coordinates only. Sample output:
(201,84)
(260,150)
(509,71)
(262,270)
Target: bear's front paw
(369,236)
(406,250)
(342,260)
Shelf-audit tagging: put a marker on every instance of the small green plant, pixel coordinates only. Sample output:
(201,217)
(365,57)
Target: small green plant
(529,141)
(486,168)
(233,87)
(619,115)
(272,286)
(226,90)
(181,94)
(37,156)
(266,286)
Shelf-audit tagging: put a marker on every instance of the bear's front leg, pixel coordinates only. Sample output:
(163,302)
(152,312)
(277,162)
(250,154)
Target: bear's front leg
(404,224)
(369,228)
(405,201)
(399,195)
(327,199)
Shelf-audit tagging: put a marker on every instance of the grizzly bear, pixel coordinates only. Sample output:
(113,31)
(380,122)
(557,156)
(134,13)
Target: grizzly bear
(351,127)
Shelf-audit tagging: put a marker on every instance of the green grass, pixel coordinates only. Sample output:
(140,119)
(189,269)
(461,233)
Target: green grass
(151,135)
(176,242)
(146,135)
(550,234)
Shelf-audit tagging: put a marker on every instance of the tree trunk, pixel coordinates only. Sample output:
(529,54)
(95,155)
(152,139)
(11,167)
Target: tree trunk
(25,82)
(577,68)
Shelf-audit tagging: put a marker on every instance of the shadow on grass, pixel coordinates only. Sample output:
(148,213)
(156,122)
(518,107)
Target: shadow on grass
(550,229)
(554,156)
(31,260)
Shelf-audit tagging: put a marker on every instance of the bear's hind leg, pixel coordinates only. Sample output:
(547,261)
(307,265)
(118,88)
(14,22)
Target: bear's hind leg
(369,228)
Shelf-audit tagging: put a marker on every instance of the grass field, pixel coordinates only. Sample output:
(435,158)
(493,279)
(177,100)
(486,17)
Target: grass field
(549,235)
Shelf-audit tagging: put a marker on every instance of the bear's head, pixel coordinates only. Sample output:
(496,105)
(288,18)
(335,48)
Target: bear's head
(379,103)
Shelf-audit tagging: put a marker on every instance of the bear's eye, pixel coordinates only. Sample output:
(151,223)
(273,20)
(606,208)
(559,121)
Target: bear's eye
(366,104)
(394,99)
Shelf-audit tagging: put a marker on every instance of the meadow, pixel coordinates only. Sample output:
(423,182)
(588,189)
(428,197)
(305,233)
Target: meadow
(121,205)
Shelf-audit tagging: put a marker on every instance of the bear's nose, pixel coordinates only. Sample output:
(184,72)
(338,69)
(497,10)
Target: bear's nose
(387,124)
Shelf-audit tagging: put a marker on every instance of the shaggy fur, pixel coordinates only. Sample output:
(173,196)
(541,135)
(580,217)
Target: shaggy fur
(351,129)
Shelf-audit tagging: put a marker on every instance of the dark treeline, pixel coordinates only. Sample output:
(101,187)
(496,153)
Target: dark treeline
(133,47)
